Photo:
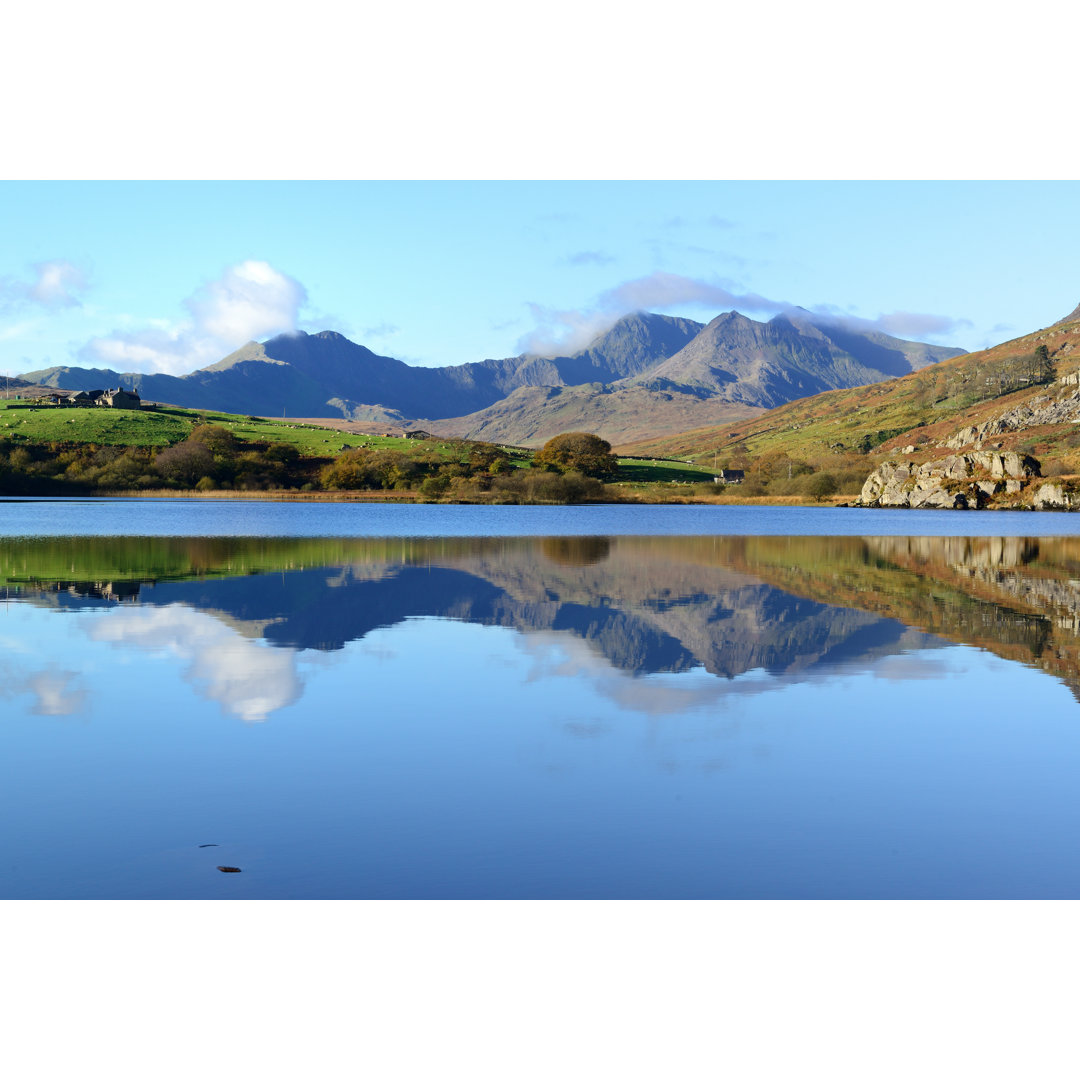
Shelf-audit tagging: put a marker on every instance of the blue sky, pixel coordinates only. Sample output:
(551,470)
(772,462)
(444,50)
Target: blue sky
(173,276)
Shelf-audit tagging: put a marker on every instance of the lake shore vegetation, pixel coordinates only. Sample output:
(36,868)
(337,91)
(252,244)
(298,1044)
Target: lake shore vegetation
(165,451)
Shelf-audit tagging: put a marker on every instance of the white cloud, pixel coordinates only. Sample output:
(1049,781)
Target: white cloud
(248,680)
(567,331)
(904,324)
(56,284)
(16,330)
(590,258)
(559,654)
(59,284)
(383,329)
(250,300)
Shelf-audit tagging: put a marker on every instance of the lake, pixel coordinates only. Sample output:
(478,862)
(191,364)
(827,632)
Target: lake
(365,700)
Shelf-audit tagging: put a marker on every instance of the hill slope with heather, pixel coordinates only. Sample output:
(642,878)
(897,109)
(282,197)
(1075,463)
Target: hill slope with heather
(991,397)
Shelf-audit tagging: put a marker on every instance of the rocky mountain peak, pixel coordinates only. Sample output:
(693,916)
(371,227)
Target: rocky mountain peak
(1073,316)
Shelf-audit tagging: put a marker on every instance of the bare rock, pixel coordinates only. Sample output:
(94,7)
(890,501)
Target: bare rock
(1052,496)
(958,482)
(1040,410)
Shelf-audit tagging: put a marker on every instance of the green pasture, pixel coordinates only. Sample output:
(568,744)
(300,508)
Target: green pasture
(661,470)
(166,426)
(21,422)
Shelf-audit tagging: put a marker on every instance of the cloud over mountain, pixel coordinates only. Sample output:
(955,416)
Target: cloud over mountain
(251,300)
(904,324)
(561,332)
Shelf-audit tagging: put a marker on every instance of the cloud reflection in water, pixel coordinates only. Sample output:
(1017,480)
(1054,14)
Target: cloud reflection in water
(248,680)
(56,692)
(556,654)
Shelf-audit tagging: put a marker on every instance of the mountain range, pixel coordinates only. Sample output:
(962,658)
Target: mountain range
(648,374)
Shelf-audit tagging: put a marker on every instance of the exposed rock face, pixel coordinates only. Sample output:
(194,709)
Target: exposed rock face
(1053,497)
(1073,316)
(959,482)
(1040,410)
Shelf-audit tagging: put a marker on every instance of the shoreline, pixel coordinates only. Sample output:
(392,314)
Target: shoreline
(417,498)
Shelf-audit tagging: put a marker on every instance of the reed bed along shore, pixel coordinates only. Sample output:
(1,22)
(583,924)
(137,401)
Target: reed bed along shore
(642,498)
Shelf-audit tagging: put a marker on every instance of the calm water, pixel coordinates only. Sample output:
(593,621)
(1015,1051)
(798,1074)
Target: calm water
(214,517)
(379,701)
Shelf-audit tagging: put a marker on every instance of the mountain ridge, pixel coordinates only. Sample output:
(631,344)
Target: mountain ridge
(647,369)
(303,373)
(734,368)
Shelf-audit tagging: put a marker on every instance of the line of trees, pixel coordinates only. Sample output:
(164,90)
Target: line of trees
(210,457)
(777,473)
(966,384)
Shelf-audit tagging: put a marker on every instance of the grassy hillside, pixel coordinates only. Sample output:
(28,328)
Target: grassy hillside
(49,450)
(165,426)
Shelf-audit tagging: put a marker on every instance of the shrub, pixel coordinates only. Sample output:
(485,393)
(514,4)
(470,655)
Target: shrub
(216,439)
(285,453)
(434,486)
(577,451)
(540,487)
(185,463)
(488,457)
(821,485)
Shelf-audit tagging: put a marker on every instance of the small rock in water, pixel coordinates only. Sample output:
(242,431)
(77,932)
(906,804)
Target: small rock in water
(230,869)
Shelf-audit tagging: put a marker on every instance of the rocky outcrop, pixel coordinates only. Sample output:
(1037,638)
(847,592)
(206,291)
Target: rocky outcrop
(1040,410)
(959,482)
(1053,496)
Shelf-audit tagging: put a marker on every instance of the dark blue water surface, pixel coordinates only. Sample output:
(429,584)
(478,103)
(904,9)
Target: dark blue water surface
(442,702)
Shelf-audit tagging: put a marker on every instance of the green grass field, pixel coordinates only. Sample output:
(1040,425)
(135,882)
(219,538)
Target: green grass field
(165,426)
(162,427)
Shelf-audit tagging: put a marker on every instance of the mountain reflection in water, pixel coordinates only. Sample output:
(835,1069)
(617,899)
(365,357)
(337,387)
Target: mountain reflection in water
(789,606)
